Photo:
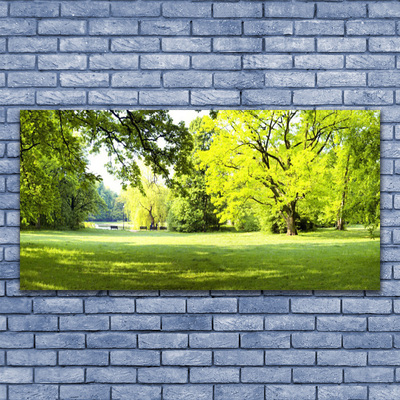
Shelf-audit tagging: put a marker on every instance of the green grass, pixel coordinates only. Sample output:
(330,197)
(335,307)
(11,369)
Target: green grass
(97,259)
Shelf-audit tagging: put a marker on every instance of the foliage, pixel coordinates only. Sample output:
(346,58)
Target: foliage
(277,160)
(147,206)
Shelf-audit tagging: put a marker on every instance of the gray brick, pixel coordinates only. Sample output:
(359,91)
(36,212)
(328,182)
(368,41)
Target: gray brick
(162,375)
(12,152)
(217,27)
(345,11)
(342,78)
(268,27)
(16,340)
(370,61)
(290,357)
(83,79)
(88,45)
(111,26)
(109,340)
(32,45)
(239,80)
(17,61)
(59,375)
(208,97)
(163,340)
(216,62)
(237,45)
(317,375)
(165,28)
(61,61)
(214,375)
(367,341)
(367,306)
(31,357)
(187,79)
(267,61)
(266,340)
(57,306)
(135,322)
(113,97)
(84,322)
(387,44)
(61,97)
(290,392)
(178,392)
(85,9)
(111,375)
(179,98)
(34,79)
(241,323)
(113,61)
(288,10)
(347,392)
(317,96)
(37,392)
(341,45)
(316,340)
(214,305)
(386,323)
(263,305)
(98,392)
(318,27)
(342,358)
(61,27)
(138,9)
(15,305)
(384,357)
(373,28)
(138,44)
(186,357)
(16,375)
(384,10)
(325,306)
(272,97)
(289,79)
(136,392)
(19,26)
(187,323)
(61,340)
(266,375)
(368,97)
(32,323)
(238,357)
(289,323)
(341,323)
(319,61)
(242,392)
(36,9)
(370,375)
(164,61)
(382,79)
(115,305)
(83,357)
(184,9)
(135,357)
(289,44)
(214,340)
(193,45)
(238,10)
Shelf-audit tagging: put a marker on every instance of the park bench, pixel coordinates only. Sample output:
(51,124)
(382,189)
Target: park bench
(114,227)
(143,227)
(163,228)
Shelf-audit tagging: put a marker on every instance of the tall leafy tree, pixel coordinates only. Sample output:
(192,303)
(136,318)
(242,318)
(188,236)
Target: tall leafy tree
(272,158)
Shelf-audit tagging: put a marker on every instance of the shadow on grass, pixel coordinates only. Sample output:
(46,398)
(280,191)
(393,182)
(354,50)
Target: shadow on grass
(131,266)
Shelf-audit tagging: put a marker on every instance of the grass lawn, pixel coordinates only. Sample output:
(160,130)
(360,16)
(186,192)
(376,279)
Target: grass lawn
(93,259)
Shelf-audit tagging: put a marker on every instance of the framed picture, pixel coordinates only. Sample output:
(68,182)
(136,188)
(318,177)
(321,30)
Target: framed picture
(200,200)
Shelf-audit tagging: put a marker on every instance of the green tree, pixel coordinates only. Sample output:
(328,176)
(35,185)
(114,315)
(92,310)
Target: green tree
(272,158)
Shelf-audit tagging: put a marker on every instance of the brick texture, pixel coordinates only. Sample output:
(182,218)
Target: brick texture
(210,344)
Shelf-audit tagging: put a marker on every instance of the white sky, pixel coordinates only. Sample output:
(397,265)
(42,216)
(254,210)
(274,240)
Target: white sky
(97,161)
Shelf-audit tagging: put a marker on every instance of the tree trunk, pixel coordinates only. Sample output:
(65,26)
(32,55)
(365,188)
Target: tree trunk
(340,219)
(151,216)
(290,218)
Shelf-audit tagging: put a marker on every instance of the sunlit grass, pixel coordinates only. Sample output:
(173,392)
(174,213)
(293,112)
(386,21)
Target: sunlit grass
(100,259)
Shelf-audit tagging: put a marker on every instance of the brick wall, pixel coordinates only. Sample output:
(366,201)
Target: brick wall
(199,345)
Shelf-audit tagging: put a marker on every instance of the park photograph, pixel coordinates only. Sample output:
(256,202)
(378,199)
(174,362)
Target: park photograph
(200,200)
